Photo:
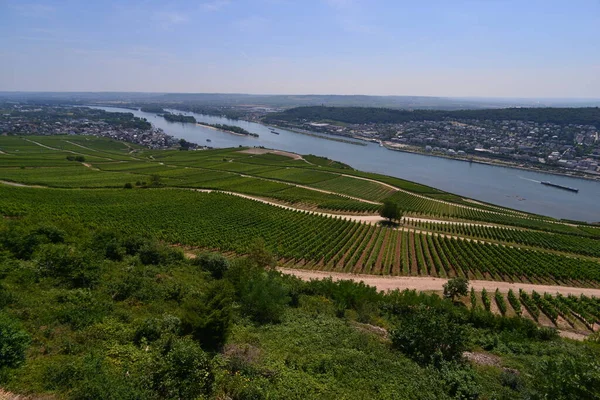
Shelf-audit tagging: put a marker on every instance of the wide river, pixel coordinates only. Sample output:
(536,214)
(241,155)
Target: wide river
(509,187)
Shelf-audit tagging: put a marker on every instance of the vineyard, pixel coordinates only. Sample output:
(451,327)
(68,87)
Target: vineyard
(559,242)
(518,247)
(579,313)
(230,223)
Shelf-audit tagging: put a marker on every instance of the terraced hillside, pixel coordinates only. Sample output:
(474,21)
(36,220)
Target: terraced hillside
(311,212)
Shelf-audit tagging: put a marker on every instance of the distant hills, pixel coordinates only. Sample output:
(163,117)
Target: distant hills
(363,115)
(289,101)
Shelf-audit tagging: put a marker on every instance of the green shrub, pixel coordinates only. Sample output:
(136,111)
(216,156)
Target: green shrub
(152,329)
(264,298)
(180,370)
(81,307)
(68,264)
(208,318)
(429,336)
(214,263)
(13,342)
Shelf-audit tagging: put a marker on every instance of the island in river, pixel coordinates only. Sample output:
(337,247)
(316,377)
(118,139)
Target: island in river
(179,118)
(229,128)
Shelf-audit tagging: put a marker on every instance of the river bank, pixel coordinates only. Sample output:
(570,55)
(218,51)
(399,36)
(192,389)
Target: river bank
(496,163)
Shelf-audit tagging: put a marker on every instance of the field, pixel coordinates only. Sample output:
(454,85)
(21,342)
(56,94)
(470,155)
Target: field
(443,235)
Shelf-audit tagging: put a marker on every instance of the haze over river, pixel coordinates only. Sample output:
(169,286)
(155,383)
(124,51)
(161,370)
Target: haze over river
(509,187)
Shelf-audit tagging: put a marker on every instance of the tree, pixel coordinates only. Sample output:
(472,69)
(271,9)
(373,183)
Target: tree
(259,255)
(390,211)
(458,286)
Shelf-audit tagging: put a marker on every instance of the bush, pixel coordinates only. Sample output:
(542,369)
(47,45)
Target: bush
(88,378)
(181,370)
(264,297)
(156,254)
(429,336)
(63,262)
(152,329)
(459,381)
(208,318)
(214,263)
(567,377)
(13,342)
(81,307)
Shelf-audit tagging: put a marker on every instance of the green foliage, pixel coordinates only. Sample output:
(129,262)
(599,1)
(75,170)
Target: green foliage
(567,377)
(459,381)
(363,115)
(347,295)
(263,297)
(180,369)
(485,298)
(429,336)
(155,254)
(81,307)
(208,318)
(500,302)
(13,342)
(390,211)
(473,298)
(70,265)
(179,118)
(214,263)
(455,287)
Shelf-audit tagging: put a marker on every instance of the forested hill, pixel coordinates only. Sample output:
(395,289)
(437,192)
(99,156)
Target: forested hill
(363,115)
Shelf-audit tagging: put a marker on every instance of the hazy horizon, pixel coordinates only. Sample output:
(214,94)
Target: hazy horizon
(463,49)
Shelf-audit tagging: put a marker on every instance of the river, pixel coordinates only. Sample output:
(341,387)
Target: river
(509,187)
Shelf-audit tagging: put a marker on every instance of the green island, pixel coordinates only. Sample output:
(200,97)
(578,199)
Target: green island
(230,128)
(179,118)
(167,274)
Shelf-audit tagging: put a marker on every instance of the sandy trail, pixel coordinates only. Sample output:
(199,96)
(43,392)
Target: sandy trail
(90,166)
(19,184)
(267,151)
(436,284)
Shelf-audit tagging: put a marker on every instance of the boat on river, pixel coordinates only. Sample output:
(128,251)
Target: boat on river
(571,189)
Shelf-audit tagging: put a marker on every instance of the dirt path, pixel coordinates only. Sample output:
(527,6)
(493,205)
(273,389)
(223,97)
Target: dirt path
(1,152)
(267,151)
(43,145)
(308,188)
(90,166)
(443,221)
(435,284)
(20,184)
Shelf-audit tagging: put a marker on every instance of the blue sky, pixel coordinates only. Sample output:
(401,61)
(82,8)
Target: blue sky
(485,48)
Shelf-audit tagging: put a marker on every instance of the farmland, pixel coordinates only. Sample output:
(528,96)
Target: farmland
(457,238)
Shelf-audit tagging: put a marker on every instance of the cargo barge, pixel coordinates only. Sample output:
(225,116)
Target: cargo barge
(570,189)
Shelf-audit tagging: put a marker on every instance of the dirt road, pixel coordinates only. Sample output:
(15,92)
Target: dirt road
(436,284)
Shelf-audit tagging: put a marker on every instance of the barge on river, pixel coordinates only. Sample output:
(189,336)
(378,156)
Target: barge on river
(570,189)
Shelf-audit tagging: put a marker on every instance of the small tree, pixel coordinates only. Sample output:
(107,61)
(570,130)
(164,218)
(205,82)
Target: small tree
(457,286)
(390,211)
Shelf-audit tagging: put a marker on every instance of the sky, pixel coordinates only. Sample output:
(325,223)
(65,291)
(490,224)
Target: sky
(455,48)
